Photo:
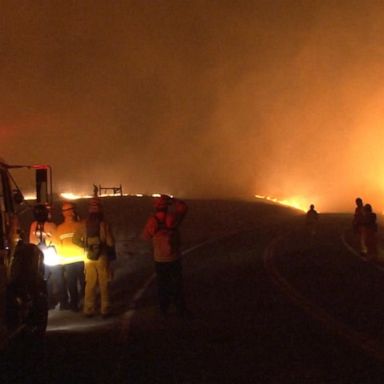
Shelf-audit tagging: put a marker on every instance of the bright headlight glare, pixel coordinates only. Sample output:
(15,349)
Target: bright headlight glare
(50,257)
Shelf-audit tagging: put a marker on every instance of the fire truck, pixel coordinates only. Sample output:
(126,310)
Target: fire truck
(23,292)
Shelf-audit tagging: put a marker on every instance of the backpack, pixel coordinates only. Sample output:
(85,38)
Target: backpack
(166,238)
(93,246)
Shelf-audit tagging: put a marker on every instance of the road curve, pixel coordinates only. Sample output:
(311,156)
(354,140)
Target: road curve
(368,344)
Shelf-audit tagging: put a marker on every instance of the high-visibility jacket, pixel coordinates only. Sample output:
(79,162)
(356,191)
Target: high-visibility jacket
(67,250)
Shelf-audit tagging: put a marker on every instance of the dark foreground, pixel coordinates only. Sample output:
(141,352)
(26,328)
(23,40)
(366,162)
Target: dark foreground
(268,306)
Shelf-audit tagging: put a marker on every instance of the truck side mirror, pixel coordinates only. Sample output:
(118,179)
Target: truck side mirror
(18,196)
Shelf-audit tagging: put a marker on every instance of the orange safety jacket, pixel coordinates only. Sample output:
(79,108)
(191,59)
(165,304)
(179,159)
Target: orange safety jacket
(163,229)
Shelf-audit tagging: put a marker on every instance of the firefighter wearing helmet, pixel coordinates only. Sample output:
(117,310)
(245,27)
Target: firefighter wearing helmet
(162,228)
(71,255)
(95,237)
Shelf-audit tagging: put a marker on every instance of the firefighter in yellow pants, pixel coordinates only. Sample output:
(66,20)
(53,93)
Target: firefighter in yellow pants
(71,255)
(95,236)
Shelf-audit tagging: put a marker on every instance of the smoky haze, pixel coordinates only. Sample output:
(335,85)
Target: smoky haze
(198,98)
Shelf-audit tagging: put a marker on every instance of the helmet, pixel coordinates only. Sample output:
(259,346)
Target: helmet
(162,201)
(67,206)
(40,212)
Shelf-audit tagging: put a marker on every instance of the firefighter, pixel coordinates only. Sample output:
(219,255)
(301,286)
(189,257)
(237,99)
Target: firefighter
(71,255)
(311,220)
(369,233)
(42,232)
(162,228)
(358,226)
(95,236)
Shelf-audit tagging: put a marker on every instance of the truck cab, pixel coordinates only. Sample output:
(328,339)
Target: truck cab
(23,293)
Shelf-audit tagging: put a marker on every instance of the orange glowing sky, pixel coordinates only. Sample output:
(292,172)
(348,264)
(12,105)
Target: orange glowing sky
(202,98)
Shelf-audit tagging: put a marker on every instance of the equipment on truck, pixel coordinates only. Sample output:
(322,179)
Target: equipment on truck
(23,292)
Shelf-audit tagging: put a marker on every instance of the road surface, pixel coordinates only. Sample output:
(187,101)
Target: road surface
(268,304)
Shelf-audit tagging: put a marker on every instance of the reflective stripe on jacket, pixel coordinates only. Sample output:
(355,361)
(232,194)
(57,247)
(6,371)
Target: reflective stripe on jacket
(67,250)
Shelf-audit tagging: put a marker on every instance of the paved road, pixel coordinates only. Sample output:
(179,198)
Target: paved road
(268,306)
(251,328)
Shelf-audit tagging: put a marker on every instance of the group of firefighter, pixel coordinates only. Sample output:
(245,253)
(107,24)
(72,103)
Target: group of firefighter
(364,226)
(76,275)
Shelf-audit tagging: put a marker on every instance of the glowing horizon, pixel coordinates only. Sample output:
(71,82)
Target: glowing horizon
(287,102)
(297,203)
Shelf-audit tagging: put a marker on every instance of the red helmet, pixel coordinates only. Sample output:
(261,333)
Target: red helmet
(162,201)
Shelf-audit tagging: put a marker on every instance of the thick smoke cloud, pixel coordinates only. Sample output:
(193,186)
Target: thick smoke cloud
(199,98)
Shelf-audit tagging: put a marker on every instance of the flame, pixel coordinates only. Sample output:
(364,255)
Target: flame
(159,194)
(30,196)
(294,202)
(75,196)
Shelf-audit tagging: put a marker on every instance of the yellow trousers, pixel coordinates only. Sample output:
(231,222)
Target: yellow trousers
(97,275)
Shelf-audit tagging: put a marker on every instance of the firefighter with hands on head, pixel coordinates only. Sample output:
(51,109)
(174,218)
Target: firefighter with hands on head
(42,232)
(95,237)
(162,228)
(71,255)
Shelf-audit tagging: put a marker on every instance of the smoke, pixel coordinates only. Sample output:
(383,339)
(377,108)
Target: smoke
(200,98)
